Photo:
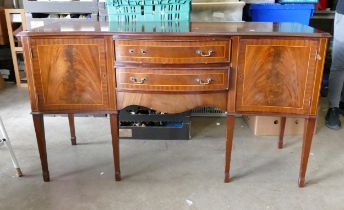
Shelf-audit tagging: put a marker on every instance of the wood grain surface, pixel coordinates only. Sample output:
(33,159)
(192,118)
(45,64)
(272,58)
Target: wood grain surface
(71,73)
(235,71)
(276,75)
(172,103)
(172,51)
(171,79)
(201,29)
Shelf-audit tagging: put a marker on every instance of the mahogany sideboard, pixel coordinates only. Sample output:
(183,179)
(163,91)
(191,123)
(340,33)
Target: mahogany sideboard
(241,68)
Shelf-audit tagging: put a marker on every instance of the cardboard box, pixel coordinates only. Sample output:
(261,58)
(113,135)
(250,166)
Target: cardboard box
(270,126)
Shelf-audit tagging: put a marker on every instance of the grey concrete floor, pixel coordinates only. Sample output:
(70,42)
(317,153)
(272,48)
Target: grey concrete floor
(165,174)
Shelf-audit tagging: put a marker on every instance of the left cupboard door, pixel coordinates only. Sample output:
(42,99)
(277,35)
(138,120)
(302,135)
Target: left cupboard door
(71,74)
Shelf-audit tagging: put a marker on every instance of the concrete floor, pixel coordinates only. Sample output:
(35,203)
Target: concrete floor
(172,175)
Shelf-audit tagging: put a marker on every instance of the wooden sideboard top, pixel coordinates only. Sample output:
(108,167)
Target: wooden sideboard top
(180,28)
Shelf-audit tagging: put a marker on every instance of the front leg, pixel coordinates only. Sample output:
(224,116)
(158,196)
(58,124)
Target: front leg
(72,128)
(40,136)
(229,142)
(281,134)
(115,144)
(306,147)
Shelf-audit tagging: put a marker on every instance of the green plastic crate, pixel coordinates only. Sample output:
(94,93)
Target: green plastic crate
(161,26)
(148,10)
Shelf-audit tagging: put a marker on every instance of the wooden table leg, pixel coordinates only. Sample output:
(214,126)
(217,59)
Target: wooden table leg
(115,144)
(40,136)
(72,128)
(281,134)
(306,147)
(229,142)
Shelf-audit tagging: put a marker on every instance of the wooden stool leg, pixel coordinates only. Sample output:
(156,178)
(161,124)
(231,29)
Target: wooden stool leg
(281,134)
(40,136)
(72,128)
(115,144)
(306,147)
(229,142)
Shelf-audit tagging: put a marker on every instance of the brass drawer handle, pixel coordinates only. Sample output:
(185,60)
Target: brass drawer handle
(131,51)
(133,79)
(143,51)
(209,80)
(201,53)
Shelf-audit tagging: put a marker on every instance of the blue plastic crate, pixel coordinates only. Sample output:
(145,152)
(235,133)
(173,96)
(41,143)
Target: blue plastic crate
(148,10)
(298,1)
(300,13)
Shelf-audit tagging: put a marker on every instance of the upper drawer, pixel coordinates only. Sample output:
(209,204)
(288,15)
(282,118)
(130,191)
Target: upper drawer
(172,80)
(151,51)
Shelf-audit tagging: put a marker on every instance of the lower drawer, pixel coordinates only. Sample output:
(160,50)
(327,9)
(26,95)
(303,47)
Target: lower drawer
(171,79)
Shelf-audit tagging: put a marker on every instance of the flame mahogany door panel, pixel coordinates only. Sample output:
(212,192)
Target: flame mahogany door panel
(276,75)
(73,73)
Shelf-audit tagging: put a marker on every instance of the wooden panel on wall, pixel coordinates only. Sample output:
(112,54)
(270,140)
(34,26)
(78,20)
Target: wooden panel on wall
(3,28)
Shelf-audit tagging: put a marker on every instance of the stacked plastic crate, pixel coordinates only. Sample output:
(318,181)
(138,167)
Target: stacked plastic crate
(43,12)
(217,10)
(298,11)
(146,15)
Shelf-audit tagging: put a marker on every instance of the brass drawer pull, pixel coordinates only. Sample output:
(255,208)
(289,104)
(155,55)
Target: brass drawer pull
(209,80)
(201,53)
(133,79)
(143,51)
(131,51)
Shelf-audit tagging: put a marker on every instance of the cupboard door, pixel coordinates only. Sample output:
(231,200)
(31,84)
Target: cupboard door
(276,75)
(71,73)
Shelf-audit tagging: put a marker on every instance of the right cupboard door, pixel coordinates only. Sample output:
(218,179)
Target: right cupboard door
(276,75)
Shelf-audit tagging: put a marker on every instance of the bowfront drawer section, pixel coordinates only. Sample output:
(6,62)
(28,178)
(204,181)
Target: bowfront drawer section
(172,80)
(151,51)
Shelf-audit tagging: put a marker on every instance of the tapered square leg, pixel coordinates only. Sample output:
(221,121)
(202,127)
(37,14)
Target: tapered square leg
(306,147)
(115,145)
(72,128)
(40,136)
(281,134)
(19,173)
(229,142)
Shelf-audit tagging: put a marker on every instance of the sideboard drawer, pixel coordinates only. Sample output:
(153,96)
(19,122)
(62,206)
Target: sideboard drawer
(151,51)
(172,80)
